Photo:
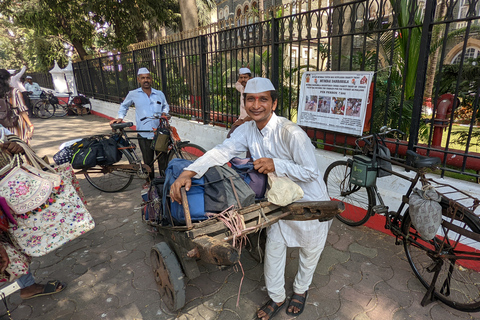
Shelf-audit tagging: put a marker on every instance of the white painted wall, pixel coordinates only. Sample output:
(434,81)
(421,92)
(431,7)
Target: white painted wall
(392,188)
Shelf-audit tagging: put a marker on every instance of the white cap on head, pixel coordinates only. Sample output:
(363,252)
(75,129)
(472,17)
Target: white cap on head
(244,71)
(142,71)
(28,77)
(257,85)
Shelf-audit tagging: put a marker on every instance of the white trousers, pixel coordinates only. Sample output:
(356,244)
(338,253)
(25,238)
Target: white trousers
(274,269)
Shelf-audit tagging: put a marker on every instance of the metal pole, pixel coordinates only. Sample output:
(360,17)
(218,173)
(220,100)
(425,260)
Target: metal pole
(163,70)
(275,52)
(421,72)
(117,80)
(204,76)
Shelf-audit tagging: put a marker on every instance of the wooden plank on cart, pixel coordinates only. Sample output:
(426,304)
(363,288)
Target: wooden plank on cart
(314,210)
(217,226)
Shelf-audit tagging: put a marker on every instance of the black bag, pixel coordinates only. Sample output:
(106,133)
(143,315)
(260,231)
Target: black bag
(110,154)
(63,156)
(220,182)
(383,152)
(52,99)
(8,116)
(86,157)
(80,100)
(161,139)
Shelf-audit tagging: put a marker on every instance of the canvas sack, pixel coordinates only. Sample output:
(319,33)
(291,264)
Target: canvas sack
(426,211)
(282,190)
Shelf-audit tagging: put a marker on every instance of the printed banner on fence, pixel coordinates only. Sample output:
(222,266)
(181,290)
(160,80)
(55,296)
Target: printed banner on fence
(334,100)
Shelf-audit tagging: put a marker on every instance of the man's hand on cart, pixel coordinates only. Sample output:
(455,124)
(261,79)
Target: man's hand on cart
(118,120)
(264,165)
(184,180)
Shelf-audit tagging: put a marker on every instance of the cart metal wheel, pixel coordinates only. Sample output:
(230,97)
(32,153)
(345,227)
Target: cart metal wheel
(168,275)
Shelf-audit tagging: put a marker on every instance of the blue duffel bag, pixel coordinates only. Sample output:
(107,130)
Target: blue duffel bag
(195,195)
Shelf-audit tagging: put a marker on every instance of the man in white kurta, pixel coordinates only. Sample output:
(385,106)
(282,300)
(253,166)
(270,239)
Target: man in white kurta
(276,145)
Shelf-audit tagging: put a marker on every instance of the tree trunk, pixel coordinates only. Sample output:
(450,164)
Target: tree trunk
(78,45)
(189,13)
(340,46)
(438,32)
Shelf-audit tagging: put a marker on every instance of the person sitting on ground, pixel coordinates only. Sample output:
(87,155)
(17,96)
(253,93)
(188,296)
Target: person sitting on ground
(24,128)
(148,102)
(280,146)
(28,287)
(244,74)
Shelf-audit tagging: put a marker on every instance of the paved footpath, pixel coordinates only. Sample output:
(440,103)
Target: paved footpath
(362,273)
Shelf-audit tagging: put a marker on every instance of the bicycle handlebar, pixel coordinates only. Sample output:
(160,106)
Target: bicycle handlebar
(166,117)
(384,131)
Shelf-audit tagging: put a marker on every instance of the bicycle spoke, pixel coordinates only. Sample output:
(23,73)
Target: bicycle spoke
(458,256)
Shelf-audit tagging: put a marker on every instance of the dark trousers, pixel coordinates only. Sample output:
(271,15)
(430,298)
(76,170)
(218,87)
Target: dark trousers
(28,103)
(149,154)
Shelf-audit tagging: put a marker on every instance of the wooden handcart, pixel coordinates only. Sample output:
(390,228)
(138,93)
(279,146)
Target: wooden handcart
(211,241)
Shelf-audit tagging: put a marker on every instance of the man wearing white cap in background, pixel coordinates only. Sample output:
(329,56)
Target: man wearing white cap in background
(148,102)
(33,88)
(280,146)
(244,74)
(33,91)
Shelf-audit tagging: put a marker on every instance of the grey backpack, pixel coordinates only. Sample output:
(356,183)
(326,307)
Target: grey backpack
(225,187)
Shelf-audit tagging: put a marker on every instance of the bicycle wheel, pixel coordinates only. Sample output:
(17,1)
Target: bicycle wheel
(110,178)
(43,109)
(457,256)
(188,151)
(358,201)
(61,109)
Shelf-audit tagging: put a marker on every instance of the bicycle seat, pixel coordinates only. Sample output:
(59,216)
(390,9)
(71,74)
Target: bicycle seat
(121,125)
(419,161)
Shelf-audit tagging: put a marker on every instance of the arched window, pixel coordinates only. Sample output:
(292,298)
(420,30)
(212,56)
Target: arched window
(239,12)
(254,5)
(470,53)
(245,9)
(220,14)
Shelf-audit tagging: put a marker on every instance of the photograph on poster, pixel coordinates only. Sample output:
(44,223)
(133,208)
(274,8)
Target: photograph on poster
(353,107)
(335,100)
(311,103)
(338,105)
(324,104)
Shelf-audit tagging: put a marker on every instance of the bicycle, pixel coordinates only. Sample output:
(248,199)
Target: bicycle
(78,105)
(45,107)
(448,266)
(118,176)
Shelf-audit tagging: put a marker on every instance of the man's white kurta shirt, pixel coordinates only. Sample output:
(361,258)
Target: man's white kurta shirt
(293,155)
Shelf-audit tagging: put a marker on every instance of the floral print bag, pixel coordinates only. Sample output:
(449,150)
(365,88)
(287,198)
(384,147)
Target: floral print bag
(52,225)
(55,221)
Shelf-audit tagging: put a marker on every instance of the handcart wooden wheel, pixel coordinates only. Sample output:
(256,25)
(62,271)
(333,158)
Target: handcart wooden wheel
(168,275)
(211,242)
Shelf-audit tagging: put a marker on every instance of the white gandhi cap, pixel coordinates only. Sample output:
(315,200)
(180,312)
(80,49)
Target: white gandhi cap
(28,77)
(244,71)
(142,71)
(257,85)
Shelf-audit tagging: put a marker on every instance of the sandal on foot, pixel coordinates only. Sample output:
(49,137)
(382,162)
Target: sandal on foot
(271,309)
(50,288)
(300,304)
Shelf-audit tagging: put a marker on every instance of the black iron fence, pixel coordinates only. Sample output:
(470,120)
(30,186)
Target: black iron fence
(44,80)
(420,52)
